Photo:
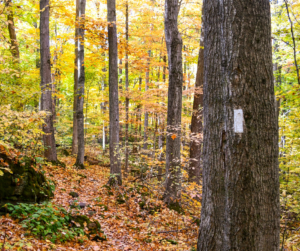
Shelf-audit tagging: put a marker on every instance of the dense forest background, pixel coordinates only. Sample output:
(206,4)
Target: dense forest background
(143,100)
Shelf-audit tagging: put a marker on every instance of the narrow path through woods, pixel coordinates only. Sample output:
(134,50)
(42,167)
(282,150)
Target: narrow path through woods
(126,225)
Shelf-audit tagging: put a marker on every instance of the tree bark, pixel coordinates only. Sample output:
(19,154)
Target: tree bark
(139,119)
(14,47)
(37,58)
(240,207)
(75,130)
(194,170)
(172,193)
(160,146)
(126,88)
(164,68)
(46,85)
(114,128)
(80,87)
(294,41)
(146,115)
(154,135)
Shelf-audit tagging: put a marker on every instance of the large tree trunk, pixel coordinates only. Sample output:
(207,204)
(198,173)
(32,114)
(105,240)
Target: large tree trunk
(196,124)
(114,127)
(46,85)
(174,48)
(14,47)
(80,87)
(127,98)
(240,207)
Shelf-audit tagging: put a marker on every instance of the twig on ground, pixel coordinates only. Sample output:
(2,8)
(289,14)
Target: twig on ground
(174,231)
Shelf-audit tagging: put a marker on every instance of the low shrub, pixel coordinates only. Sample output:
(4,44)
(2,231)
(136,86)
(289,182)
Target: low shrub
(46,221)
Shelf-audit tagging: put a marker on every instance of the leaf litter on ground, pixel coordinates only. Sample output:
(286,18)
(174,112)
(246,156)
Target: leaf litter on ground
(132,216)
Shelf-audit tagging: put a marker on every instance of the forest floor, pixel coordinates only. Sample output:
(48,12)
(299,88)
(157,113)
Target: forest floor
(132,216)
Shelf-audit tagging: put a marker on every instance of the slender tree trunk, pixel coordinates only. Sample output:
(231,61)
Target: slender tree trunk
(138,119)
(77,42)
(164,68)
(140,113)
(114,128)
(158,71)
(53,78)
(277,80)
(146,115)
(103,109)
(120,103)
(240,206)
(155,136)
(46,85)
(294,40)
(126,87)
(80,84)
(37,63)
(121,75)
(86,110)
(14,47)
(37,58)
(194,170)
(134,148)
(160,147)
(174,47)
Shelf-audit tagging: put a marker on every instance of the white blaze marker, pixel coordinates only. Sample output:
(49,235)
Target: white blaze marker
(238,121)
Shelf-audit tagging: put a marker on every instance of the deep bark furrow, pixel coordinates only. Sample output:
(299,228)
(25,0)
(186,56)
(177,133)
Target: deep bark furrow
(240,207)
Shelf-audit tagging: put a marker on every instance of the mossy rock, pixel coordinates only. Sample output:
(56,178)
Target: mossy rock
(24,184)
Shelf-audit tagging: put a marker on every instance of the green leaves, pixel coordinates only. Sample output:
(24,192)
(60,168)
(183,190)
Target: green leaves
(46,221)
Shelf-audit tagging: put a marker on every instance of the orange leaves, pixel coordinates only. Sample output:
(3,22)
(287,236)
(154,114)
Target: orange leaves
(2,148)
(174,136)
(128,226)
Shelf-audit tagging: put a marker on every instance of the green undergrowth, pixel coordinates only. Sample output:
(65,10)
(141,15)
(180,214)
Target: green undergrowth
(46,221)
